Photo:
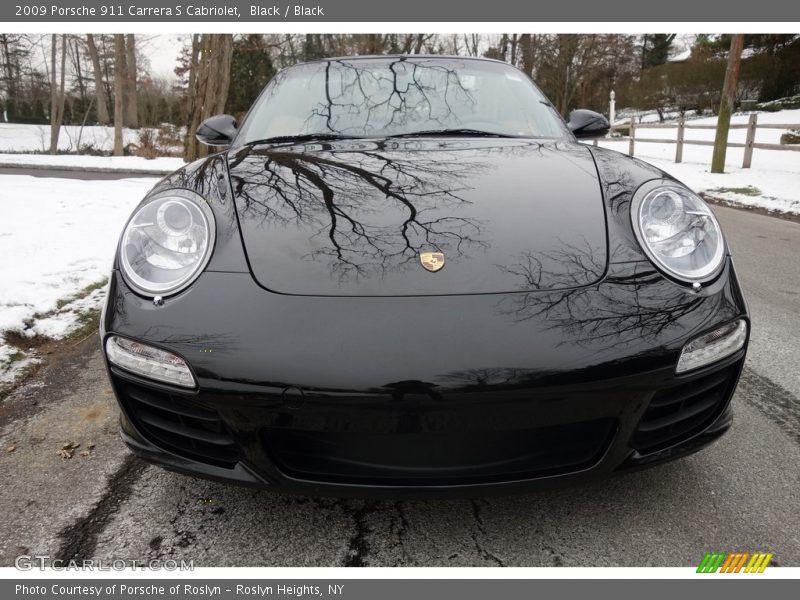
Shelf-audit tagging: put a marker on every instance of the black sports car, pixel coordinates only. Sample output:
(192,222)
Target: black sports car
(405,275)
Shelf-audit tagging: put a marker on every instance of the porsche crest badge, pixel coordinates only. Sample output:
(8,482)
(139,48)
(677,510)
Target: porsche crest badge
(432,261)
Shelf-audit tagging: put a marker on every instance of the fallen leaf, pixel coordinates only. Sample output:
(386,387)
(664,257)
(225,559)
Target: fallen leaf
(11,449)
(68,449)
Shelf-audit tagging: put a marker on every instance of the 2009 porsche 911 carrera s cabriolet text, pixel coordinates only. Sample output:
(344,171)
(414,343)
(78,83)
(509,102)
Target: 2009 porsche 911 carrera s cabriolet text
(405,275)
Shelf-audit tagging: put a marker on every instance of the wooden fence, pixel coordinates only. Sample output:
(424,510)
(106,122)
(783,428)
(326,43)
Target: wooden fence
(749,145)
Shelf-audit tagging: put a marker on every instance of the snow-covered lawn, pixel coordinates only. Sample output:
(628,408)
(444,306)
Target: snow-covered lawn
(773,181)
(57,238)
(19,137)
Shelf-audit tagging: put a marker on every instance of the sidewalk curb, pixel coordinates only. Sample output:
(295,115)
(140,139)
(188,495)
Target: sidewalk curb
(76,168)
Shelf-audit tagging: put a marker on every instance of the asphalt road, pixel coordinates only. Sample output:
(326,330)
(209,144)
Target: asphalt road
(740,494)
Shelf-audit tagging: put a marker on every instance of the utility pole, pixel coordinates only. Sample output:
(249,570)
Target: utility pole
(726,103)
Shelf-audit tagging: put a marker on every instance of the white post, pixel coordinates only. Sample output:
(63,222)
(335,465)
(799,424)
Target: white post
(612,105)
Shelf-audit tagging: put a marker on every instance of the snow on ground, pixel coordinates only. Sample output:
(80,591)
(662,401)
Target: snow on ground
(57,238)
(20,137)
(13,363)
(129,164)
(772,182)
(62,321)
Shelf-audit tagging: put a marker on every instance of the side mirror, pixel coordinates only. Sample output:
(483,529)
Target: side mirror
(218,130)
(587,124)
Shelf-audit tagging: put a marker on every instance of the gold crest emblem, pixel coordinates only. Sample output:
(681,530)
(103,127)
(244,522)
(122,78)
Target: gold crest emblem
(432,261)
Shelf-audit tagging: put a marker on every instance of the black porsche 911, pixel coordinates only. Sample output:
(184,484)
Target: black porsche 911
(405,275)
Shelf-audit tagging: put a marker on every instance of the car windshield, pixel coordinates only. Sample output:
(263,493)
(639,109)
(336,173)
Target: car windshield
(403,96)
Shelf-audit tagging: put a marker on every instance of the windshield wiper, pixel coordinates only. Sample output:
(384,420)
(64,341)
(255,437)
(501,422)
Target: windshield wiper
(452,132)
(305,137)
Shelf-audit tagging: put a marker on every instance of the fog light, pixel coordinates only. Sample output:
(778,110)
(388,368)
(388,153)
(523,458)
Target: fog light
(149,362)
(713,346)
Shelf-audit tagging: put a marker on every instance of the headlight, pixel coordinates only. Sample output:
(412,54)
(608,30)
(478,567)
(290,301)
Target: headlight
(167,242)
(678,231)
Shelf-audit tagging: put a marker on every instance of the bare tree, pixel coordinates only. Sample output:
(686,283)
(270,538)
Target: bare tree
(193,59)
(99,88)
(119,91)
(209,91)
(57,95)
(10,57)
(131,104)
(527,47)
(77,65)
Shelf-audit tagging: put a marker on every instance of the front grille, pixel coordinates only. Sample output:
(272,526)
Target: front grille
(180,425)
(439,458)
(679,412)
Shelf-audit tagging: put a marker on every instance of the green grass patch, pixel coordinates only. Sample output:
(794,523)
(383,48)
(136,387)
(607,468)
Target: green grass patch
(80,294)
(15,356)
(748,190)
(88,323)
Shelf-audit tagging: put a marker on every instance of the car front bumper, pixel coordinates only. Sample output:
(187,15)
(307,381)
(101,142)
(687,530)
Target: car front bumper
(316,450)
(414,396)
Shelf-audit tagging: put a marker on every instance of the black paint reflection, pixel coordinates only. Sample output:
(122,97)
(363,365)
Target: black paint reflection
(352,217)
(326,193)
(635,305)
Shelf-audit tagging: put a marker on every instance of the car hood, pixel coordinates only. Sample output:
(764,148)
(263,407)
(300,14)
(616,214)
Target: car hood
(353,218)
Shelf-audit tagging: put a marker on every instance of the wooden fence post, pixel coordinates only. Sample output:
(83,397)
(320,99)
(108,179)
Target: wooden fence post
(679,145)
(751,138)
(632,135)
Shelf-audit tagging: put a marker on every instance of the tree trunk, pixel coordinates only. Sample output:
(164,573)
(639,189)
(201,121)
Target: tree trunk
(119,91)
(62,96)
(54,130)
(11,80)
(57,96)
(99,87)
(526,44)
(726,103)
(420,41)
(131,103)
(78,71)
(514,44)
(209,93)
(193,60)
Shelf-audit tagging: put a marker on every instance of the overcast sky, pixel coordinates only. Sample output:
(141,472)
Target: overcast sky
(162,51)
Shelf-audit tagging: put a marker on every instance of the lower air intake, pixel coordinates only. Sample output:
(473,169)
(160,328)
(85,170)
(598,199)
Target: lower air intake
(679,412)
(179,425)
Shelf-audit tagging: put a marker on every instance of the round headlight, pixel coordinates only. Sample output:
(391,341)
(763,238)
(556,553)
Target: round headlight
(167,242)
(678,231)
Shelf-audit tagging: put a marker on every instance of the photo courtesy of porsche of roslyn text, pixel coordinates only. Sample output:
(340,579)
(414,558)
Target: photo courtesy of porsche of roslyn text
(468,300)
